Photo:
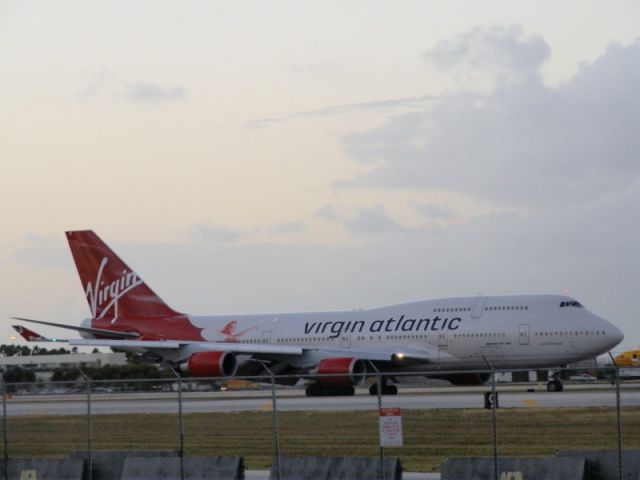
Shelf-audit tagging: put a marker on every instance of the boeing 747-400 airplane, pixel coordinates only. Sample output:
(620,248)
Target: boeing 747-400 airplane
(342,348)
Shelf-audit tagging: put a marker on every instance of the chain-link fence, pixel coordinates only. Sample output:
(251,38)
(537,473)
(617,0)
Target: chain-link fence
(512,414)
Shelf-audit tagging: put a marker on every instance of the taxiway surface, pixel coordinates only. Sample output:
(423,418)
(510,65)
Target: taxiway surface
(294,400)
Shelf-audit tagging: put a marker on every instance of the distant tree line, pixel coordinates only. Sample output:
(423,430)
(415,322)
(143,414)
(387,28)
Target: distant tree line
(130,371)
(135,369)
(16,374)
(25,351)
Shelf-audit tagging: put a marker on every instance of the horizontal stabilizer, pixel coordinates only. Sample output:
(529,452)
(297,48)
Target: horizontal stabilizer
(31,336)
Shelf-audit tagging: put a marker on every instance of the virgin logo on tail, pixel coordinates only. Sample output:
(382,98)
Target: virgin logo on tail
(100,293)
(229,331)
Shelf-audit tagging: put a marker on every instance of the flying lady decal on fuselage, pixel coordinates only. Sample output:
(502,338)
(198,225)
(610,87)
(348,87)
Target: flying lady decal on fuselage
(228,331)
(111,292)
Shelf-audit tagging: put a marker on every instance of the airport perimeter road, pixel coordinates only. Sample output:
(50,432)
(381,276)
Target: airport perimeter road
(292,400)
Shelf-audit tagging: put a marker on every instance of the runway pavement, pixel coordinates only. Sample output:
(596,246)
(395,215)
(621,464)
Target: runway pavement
(602,395)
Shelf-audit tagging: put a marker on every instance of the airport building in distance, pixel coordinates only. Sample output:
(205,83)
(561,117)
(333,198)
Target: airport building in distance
(44,365)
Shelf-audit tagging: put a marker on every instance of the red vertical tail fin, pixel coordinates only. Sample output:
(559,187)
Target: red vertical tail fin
(113,290)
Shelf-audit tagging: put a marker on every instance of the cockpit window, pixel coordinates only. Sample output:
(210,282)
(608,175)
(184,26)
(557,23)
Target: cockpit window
(570,303)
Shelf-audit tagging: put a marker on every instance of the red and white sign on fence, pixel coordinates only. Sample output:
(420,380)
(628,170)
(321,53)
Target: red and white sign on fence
(390,422)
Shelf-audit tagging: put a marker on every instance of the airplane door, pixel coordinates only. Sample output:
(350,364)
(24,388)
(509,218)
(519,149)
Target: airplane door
(442,340)
(524,334)
(478,307)
(345,341)
(266,336)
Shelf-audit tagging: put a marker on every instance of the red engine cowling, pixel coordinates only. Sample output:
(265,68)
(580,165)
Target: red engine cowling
(342,371)
(210,364)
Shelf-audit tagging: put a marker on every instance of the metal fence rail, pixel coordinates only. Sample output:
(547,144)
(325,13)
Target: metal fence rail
(262,421)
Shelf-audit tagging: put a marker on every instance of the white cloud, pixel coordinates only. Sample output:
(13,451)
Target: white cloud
(328,212)
(373,220)
(148,93)
(216,234)
(490,48)
(437,212)
(288,228)
(106,84)
(524,144)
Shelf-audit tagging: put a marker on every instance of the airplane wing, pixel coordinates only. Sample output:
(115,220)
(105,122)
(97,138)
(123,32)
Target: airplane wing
(387,354)
(175,344)
(383,354)
(93,331)
(124,340)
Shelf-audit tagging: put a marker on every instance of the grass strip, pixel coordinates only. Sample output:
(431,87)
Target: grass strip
(429,435)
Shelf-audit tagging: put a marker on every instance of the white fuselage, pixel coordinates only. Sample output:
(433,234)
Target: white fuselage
(520,331)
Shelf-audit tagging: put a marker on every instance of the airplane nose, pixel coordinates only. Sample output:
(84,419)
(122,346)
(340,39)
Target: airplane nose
(616,335)
(613,335)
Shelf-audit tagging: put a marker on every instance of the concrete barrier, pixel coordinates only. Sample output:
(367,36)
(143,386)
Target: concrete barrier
(195,468)
(514,468)
(44,469)
(108,464)
(330,468)
(603,464)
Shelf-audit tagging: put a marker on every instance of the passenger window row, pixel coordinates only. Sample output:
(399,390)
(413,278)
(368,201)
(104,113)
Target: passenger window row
(506,307)
(452,309)
(576,332)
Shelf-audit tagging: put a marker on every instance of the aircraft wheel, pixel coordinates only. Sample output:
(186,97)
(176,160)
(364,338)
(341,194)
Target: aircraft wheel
(389,390)
(313,390)
(348,391)
(320,390)
(386,389)
(554,387)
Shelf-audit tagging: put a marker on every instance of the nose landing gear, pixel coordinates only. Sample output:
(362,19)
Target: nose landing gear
(555,385)
(386,388)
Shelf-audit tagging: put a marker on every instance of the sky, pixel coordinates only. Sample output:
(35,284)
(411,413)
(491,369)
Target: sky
(251,156)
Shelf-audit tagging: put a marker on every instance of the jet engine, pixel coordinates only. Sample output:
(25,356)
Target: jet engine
(210,364)
(342,371)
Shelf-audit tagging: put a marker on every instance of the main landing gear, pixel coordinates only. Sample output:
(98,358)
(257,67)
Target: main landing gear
(555,385)
(386,388)
(318,389)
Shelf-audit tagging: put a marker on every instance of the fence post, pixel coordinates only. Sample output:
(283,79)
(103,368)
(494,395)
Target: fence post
(5,435)
(618,412)
(494,418)
(379,388)
(180,420)
(276,423)
(89,426)
(619,421)
(495,427)
(379,381)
